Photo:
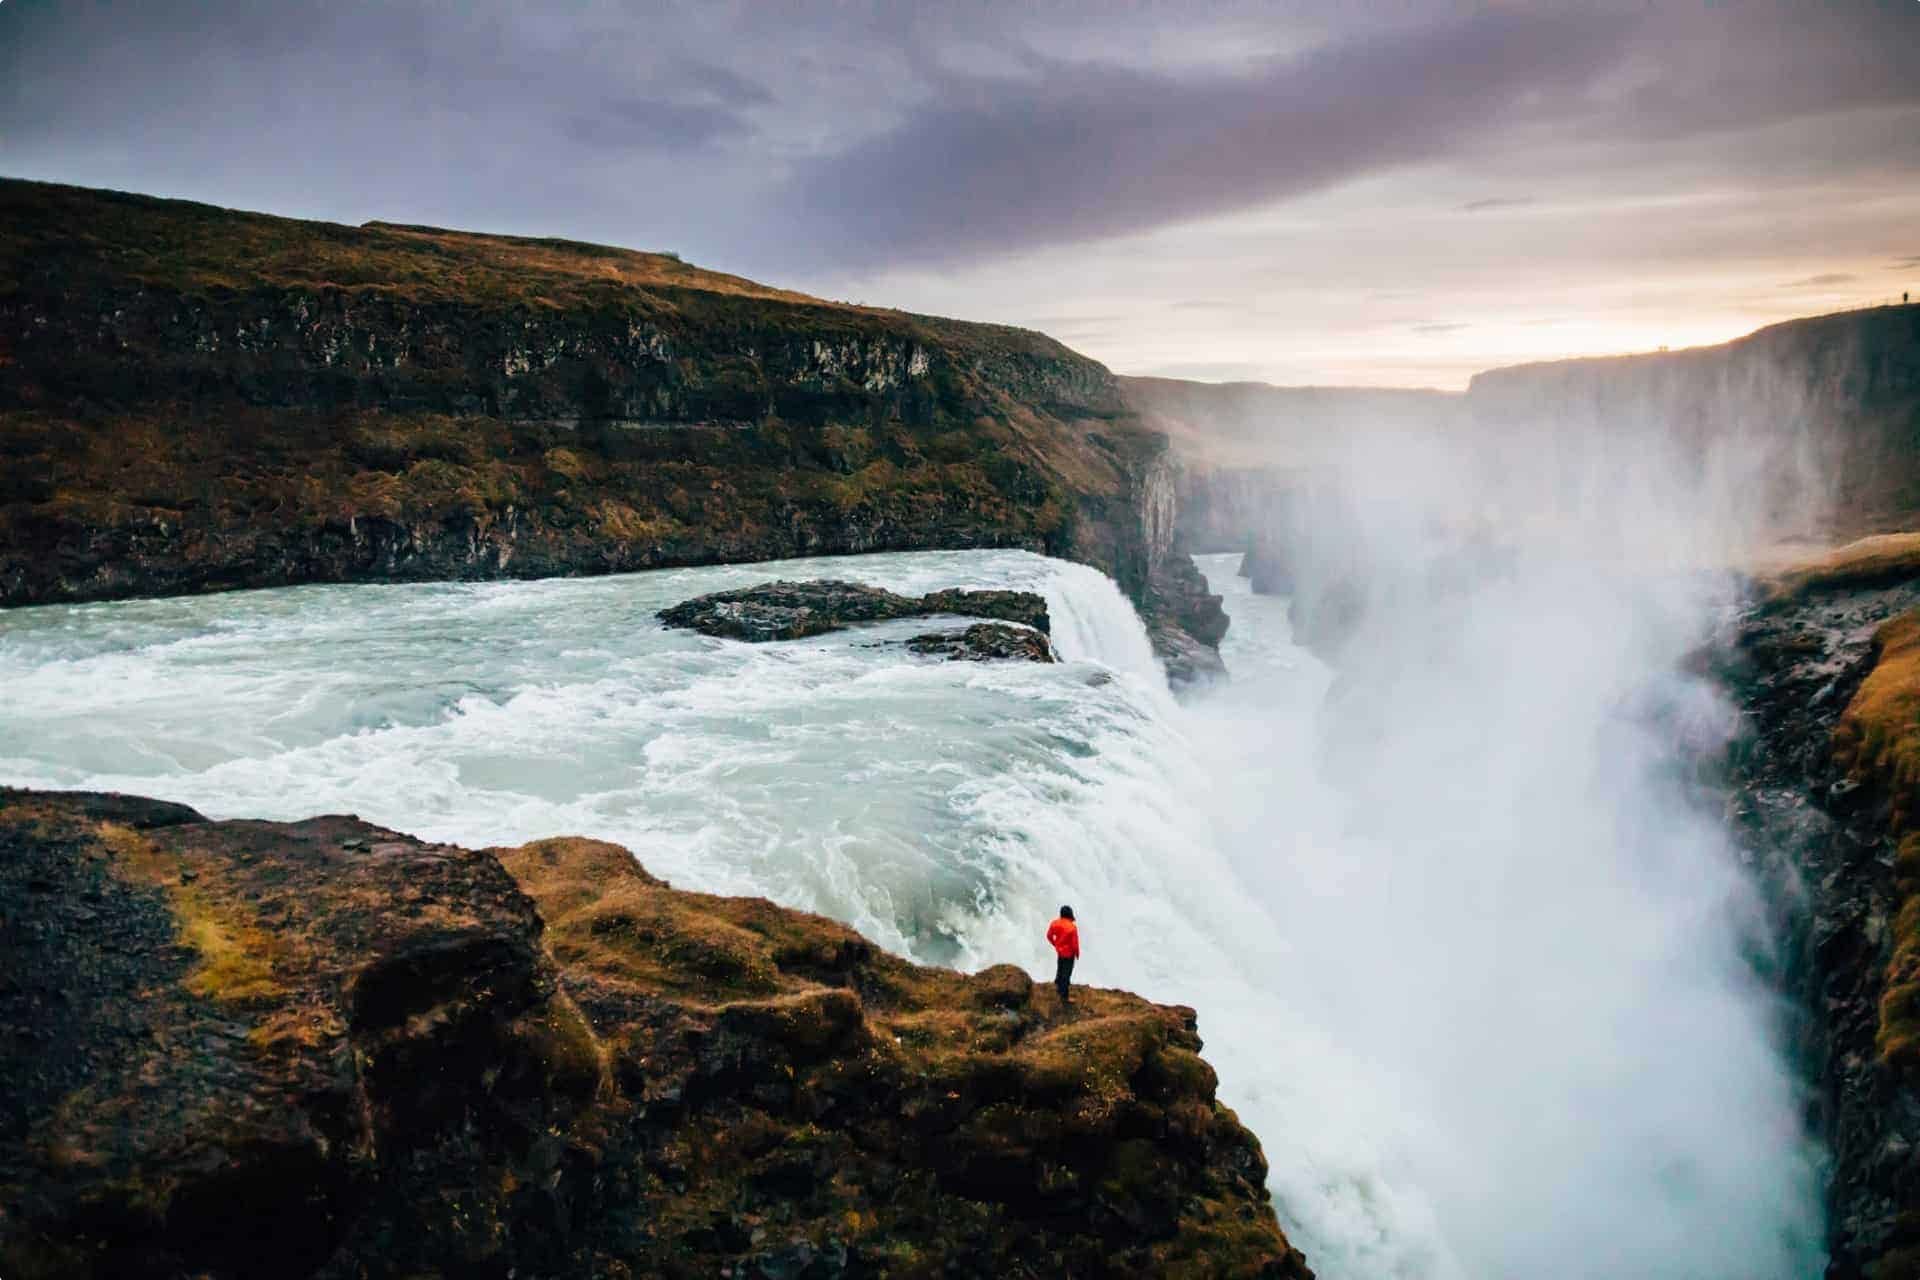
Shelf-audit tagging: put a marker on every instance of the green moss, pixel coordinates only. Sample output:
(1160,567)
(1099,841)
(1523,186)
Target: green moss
(235,955)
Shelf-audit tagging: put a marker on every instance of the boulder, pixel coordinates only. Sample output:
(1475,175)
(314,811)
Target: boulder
(985,642)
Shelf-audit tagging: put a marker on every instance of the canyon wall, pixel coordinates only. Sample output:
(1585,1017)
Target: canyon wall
(195,399)
(1837,395)
(1820,787)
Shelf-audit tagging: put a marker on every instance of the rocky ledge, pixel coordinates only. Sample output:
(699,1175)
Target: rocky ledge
(794,610)
(322,1048)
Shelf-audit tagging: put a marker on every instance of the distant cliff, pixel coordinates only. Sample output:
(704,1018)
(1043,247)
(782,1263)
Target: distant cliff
(1836,396)
(194,399)
(325,1049)
(1811,427)
(1234,425)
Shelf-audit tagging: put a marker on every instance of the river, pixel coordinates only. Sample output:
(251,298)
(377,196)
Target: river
(1473,973)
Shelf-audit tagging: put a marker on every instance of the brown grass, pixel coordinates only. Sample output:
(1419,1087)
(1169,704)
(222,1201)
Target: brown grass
(1882,556)
(236,957)
(1877,741)
(197,248)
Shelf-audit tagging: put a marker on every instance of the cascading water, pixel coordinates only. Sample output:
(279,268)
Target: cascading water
(1480,997)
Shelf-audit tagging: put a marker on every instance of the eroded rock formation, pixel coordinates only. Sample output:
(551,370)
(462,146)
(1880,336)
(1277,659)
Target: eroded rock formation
(322,1048)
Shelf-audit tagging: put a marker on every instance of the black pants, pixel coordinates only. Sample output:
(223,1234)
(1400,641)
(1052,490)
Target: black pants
(1062,974)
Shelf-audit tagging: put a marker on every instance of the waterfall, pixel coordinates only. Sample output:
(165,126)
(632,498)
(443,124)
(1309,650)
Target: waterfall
(1472,1042)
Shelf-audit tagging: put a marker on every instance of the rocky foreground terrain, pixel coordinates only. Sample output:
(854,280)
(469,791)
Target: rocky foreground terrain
(194,399)
(326,1049)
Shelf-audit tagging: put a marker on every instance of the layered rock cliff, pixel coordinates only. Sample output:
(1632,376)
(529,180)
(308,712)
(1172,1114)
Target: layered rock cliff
(194,399)
(326,1049)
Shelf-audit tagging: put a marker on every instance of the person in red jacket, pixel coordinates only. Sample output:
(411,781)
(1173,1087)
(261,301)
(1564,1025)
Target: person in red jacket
(1064,934)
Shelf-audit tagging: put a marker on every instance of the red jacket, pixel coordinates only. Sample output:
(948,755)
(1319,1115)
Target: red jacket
(1064,934)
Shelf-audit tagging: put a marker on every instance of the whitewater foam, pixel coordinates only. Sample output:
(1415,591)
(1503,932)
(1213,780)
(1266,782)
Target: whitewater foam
(945,809)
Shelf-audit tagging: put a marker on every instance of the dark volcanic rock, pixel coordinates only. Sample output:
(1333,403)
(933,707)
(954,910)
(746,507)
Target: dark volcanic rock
(320,1048)
(985,642)
(1822,840)
(791,610)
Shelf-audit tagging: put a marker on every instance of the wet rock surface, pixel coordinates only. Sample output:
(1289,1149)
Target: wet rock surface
(985,642)
(326,1049)
(793,610)
(1821,838)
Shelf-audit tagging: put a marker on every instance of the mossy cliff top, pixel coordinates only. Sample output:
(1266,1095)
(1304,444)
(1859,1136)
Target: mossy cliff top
(323,1048)
(85,235)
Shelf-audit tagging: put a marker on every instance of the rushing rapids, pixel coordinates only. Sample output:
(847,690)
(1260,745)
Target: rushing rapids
(1482,997)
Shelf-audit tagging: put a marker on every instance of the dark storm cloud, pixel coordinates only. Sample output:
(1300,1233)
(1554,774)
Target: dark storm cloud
(862,135)
(1078,151)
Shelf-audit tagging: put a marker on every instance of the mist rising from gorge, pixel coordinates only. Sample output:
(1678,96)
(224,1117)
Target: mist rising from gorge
(1505,889)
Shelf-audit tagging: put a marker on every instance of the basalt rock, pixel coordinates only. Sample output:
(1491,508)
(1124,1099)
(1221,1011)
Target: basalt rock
(326,1049)
(792,610)
(986,642)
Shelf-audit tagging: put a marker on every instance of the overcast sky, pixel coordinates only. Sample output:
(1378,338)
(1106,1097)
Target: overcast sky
(1388,193)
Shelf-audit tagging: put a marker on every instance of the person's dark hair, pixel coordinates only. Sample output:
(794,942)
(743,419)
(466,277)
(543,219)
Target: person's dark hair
(1066,913)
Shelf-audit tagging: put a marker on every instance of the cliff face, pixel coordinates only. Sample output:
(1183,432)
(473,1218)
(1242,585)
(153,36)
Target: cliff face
(1810,429)
(1835,398)
(1822,792)
(193,399)
(326,1049)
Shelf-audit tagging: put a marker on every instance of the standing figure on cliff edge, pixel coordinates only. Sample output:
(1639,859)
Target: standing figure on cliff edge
(1064,934)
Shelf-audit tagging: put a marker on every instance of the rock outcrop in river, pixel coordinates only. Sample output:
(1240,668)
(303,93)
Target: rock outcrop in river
(194,399)
(325,1049)
(792,610)
(985,642)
